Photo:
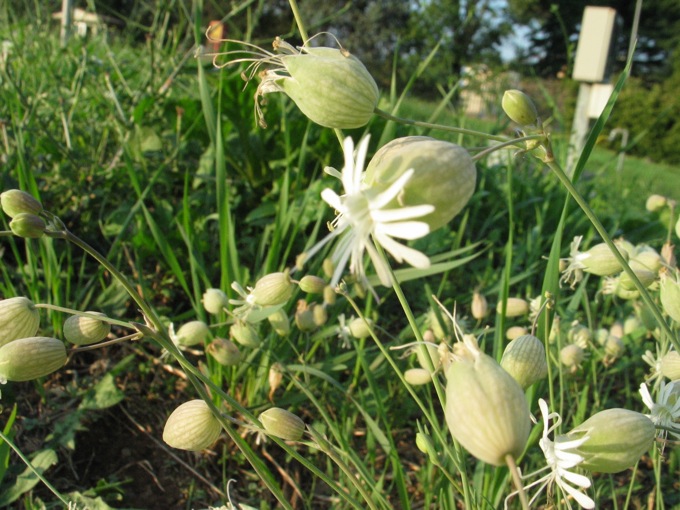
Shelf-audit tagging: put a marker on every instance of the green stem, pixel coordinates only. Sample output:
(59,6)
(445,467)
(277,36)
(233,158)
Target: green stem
(132,337)
(26,461)
(509,143)
(517,480)
(440,127)
(566,182)
(298,21)
(85,314)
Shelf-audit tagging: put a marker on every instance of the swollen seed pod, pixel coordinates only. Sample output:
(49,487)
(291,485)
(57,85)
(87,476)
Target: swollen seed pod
(280,322)
(670,365)
(599,260)
(81,330)
(519,107)
(524,359)
(15,202)
(19,318)
(28,225)
(29,358)
(193,333)
(224,351)
(360,328)
(646,257)
(283,424)
(444,176)
(215,301)
(645,276)
(486,411)
(670,294)
(192,426)
(273,289)
(617,438)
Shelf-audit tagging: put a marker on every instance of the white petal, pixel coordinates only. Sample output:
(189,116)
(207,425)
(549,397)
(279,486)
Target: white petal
(392,191)
(382,269)
(646,397)
(576,479)
(403,229)
(582,499)
(402,252)
(333,172)
(401,213)
(331,198)
(348,169)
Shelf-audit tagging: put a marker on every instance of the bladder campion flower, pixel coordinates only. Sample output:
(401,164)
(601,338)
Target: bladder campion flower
(561,459)
(363,221)
(329,85)
(598,260)
(665,411)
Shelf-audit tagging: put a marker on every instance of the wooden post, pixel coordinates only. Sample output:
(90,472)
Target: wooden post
(66,21)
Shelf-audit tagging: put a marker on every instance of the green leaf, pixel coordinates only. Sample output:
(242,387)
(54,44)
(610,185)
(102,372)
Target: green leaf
(4,447)
(104,394)
(42,461)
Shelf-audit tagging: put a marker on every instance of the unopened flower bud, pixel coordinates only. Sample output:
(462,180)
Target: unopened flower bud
(19,318)
(273,289)
(320,315)
(614,347)
(417,376)
(283,424)
(29,358)
(519,107)
(515,331)
(646,257)
(425,444)
(193,333)
(580,335)
(328,267)
(192,426)
(360,328)
(245,334)
(572,356)
(15,202)
(329,295)
(28,225)
(670,365)
(645,276)
(312,284)
(80,330)
(275,377)
(668,255)
(524,359)
(304,316)
(480,308)
(215,301)
(655,203)
(616,329)
(515,307)
(224,351)
(599,260)
(486,411)
(617,438)
(431,351)
(444,176)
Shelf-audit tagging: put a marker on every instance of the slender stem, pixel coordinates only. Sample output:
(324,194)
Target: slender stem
(133,336)
(566,182)
(509,143)
(517,480)
(298,21)
(441,127)
(30,466)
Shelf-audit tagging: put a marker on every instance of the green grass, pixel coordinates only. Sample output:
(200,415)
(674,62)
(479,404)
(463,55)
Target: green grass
(180,191)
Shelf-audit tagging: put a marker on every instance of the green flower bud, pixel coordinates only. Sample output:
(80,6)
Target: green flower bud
(215,301)
(224,351)
(312,284)
(515,332)
(486,411)
(614,347)
(304,316)
(444,176)
(192,426)
(193,333)
(524,359)
(572,356)
(283,424)
(245,334)
(480,308)
(417,376)
(670,295)
(428,349)
(28,225)
(320,315)
(425,444)
(359,328)
(280,322)
(519,107)
(645,276)
(273,289)
(29,358)
(515,307)
(19,318)
(646,257)
(81,330)
(670,365)
(329,295)
(617,438)
(15,202)
(655,203)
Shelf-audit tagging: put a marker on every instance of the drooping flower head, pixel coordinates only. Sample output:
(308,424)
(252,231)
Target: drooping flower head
(363,222)
(665,410)
(329,85)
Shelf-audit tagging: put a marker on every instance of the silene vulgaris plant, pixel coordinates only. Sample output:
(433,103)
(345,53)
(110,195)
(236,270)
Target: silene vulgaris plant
(489,420)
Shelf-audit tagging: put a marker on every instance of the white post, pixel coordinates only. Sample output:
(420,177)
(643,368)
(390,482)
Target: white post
(579,127)
(66,20)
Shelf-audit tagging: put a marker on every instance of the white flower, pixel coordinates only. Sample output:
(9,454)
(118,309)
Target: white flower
(654,362)
(574,271)
(665,412)
(362,223)
(247,308)
(560,460)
